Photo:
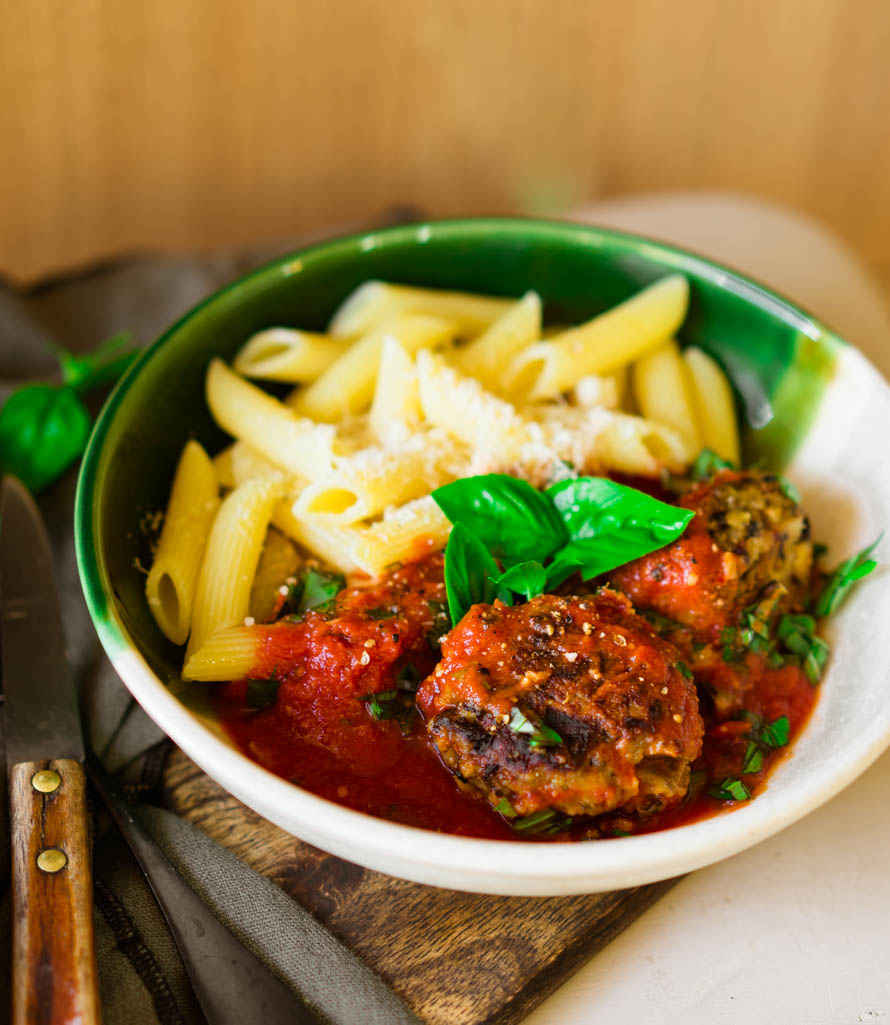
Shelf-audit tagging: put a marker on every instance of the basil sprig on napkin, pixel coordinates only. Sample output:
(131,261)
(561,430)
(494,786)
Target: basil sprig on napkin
(44,427)
(511,540)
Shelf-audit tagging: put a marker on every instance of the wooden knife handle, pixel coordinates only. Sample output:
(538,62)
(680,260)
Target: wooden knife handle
(54,977)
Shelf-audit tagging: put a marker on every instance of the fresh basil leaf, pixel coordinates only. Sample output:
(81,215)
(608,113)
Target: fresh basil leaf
(609,524)
(513,520)
(527,579)
(469,569)
(42,431)
(707,463)
(262,693)
(104,366)
(844,577)
(776,733)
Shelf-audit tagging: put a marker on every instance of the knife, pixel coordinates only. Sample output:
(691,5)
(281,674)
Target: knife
(54,979)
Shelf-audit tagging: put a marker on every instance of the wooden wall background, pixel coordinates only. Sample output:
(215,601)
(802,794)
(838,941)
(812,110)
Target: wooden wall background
(195,124)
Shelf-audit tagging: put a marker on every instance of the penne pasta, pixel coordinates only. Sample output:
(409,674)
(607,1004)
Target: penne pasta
(377,301)
(605,343)
(173,579)
(222,467)
(714,405)
(395,409)
(334,543)
(229,654)
(663,391)
(401,534)
(347,386)
(461,406)
(279,560)
(284,354)
(487,356)
(364,484)
(247,464)
(294,443)
(222,598)
(598,440)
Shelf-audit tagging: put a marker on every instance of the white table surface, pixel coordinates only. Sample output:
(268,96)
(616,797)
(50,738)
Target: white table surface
(794,931)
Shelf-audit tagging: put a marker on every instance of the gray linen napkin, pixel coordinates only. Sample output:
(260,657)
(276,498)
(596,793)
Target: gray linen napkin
(142,980)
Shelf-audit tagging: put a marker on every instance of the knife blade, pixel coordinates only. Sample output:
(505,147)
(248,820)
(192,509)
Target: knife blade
(54,978)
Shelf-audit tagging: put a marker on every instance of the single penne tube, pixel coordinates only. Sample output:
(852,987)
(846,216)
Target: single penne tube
(222,598)
(374,302)
(487,356)
(286,354)
(597,440)
(230,654)
(279,560)
(395,409)
(714,404)
(605,390)
(332,543)
(366,483)
(404,533)
(663,391)
(222,467)
(603,344)
(633,445)
(458,404)
(347,386)
(246,464)
(173,578)
(294,443)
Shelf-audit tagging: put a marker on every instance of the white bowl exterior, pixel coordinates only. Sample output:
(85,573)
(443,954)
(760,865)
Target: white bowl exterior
(843,472)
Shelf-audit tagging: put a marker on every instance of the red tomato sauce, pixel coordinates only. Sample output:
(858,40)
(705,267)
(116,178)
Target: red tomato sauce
(319,732)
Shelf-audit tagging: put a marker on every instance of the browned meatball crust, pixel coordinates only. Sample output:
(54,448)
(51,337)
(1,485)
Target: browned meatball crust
(570,704)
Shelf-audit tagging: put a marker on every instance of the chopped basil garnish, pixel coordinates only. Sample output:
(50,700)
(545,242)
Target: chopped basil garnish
(840,582)
(753,760)
(538,733)
(789,490)
(262,693)
(707,463)
(382,612)
(685,670)
(314,589)
(506,809)
(798,634)
(546,821)
(408,679)
(729,789)
(620,832)
(392,704)
(764,738)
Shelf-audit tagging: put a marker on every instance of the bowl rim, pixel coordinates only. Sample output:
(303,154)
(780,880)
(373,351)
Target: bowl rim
(422,855)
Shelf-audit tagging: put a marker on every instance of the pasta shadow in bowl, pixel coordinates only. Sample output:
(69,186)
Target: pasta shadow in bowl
(810,405)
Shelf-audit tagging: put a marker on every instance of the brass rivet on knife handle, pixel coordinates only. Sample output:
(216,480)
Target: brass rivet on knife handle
(52,886)
(46,781)
(52,860)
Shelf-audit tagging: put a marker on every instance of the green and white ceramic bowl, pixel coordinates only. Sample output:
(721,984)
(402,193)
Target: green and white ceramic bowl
(812,405)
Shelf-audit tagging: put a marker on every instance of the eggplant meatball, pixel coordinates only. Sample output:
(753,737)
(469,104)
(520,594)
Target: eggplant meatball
(745,558)
(748,537)
(570,704)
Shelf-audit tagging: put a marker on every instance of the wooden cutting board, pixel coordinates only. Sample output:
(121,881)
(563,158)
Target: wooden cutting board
(455,958)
